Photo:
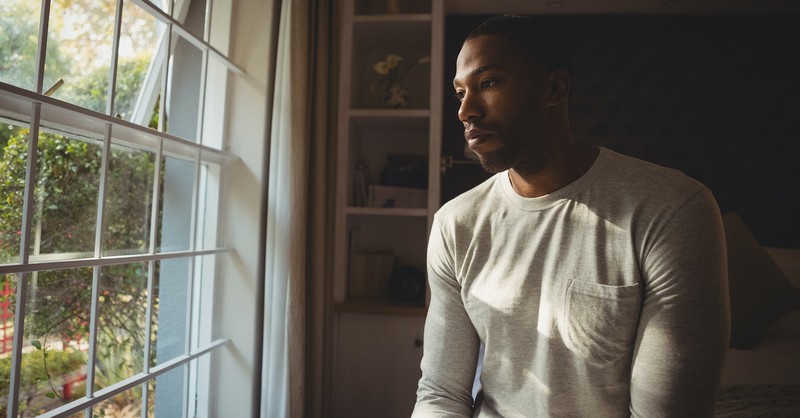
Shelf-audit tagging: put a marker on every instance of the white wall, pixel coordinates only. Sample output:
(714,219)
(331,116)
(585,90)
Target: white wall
(243,188)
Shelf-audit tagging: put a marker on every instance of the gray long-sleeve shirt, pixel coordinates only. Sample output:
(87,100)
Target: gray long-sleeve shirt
(605,298)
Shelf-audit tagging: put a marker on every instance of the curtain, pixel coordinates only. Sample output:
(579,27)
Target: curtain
(295,365)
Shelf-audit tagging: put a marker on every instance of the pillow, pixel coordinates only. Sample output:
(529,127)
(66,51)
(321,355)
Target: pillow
(760,293)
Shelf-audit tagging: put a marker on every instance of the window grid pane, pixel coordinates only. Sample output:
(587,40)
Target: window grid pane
(13,160)
(65,197)
(138,73)
(129,203)
(79,51)
(20,44)
(111,202)
(54,354)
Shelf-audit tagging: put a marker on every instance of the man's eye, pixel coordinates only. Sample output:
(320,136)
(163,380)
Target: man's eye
(487,83)
(459,95)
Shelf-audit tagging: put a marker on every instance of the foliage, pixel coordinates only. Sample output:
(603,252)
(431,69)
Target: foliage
(19,26)
(66,191)
(33,370)
(65,195)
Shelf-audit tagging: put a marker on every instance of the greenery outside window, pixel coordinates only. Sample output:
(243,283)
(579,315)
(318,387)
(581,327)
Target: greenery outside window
(111,116)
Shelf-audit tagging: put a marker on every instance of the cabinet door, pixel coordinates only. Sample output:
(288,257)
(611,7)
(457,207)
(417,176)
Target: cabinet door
(377,365)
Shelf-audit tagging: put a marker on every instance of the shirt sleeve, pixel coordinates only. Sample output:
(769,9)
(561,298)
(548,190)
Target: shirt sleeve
(684,326)
(451,343)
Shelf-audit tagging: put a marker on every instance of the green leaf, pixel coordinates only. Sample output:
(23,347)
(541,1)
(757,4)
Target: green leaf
(36,344)
(51,395)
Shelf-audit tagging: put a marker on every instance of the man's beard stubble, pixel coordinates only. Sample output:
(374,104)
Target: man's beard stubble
(525,161)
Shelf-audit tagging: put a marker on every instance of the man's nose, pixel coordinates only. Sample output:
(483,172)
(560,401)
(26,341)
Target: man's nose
(470,108)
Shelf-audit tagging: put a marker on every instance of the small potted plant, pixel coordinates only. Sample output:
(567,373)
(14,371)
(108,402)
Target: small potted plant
(389,88)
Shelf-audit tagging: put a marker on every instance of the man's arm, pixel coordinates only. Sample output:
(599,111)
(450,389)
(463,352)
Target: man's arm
(684,327)
(451,343)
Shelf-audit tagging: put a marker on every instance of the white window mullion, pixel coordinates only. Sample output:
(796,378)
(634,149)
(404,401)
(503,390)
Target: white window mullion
(68,119)
(177,22)
(156,200)
(148,94)
(190,301)
(201,103)
(162,107)
(101,198)
(106,261)
(106,393)
(151,272)
(98,253)
(112,76)
(207,22)
(148,330)
(24,251)
(92,357)
(195,200)
(41,51)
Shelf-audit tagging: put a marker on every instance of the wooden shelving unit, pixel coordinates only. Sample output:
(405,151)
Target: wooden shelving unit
(378,340)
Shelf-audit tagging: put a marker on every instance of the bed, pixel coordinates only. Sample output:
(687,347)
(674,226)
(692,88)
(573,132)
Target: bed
(762,370)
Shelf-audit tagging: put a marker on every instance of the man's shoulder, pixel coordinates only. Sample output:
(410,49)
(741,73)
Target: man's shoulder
(626,174)
(484,194)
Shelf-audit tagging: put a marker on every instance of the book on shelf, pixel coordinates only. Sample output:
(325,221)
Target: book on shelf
(360,185)
(369,274)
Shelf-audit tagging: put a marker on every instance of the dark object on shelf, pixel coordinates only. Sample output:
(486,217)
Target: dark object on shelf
(407,284)
(405,170)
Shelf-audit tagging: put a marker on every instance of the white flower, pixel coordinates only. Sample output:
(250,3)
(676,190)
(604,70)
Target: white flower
(381,67)
(392,60)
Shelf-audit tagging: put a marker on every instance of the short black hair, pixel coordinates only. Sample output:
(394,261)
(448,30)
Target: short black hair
(542,43)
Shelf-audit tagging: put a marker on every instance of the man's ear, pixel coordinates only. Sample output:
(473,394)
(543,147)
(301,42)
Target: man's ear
(558,85)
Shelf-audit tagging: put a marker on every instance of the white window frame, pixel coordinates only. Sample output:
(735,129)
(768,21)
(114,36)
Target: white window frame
(34,109)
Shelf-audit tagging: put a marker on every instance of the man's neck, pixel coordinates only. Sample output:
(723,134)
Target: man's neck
(566,166)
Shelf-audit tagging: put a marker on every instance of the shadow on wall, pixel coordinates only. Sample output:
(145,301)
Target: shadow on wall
(713,96)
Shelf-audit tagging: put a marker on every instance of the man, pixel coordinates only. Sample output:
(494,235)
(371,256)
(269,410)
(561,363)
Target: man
(596,283)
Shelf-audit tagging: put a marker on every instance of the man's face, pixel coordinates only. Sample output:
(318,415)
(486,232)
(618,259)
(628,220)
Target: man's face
(503,105)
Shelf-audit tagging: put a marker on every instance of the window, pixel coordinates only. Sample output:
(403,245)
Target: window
(111,132)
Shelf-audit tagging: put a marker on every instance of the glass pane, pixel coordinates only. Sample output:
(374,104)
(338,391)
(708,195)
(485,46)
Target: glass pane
(19,36)
(128,201)
(127,404)
(80,34)
(142,49)
(171,291)
(183,89)
(176,205)
(192,14)
(164,5)
(170,393)
(8,285)
(202,302)
(13,159)
(208,207)
(65,208)
(214,107)
(200,387)
(55,346)
(220,30)
(122,321)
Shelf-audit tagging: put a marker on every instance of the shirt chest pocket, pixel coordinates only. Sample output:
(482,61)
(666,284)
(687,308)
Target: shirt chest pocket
(599,322)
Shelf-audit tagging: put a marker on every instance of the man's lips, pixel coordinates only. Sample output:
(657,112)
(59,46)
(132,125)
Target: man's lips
(477,136)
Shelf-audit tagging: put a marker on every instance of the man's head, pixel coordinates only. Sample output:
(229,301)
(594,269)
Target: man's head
(512,78)
(541,44)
